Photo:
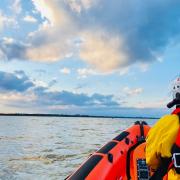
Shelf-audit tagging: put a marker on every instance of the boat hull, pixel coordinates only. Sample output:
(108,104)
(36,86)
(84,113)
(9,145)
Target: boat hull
(118,159)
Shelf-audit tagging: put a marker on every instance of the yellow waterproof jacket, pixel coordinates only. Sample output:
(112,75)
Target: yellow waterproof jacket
(160,140)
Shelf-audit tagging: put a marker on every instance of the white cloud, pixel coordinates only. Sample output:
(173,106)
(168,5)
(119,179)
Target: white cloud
(65,70)
(61,107)
(84,72)
(88,3)
(143,67)
(160,59)
(50,52)
(8,40)
(151,104)
(53,40)
(1,21)
(52,11)
(30,19)
(80,5)
(123,71)
(6,21)
(102,51)
(132,91)
(111,40)
(39,83)
(74,5)
(2,55)
(16,6)
(16,96)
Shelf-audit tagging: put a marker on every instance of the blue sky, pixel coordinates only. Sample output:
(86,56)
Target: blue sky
(95,57)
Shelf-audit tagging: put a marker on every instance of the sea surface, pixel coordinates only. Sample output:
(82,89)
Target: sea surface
(35,148)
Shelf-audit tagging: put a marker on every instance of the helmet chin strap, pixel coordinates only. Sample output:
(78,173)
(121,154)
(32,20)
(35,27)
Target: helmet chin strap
(175,101)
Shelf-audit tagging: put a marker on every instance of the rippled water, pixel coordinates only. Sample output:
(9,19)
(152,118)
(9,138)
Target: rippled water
(52,147)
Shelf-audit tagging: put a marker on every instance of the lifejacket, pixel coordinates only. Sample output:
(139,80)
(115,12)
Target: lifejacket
(176,148)
(172,162)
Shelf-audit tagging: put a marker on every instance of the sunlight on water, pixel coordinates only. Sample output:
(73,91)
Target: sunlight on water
(52,147)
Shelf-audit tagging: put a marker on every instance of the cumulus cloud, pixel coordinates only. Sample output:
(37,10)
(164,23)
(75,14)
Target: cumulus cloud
(52,41)
(84,72)
(16,6)
(114,34)
(11,97)
(46,97)
(80,5)
(145,27)
(102,51)
(15,86)
(30,19)
(143,66)
(52,11)
(12,49)
(1,21)
(160,103)
(39,83)
(123,71)
(6,21)
(17,81)
(132,91)
(65,70)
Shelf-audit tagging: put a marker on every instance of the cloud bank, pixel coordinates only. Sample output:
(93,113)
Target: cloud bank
(18,91)
(18,85)
(111,35)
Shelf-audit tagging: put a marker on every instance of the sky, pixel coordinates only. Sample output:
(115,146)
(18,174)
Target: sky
(94,57)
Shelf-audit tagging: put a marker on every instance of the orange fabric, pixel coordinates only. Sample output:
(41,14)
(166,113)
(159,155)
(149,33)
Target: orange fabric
(139,153)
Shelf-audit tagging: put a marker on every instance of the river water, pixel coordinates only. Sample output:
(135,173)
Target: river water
(35,148)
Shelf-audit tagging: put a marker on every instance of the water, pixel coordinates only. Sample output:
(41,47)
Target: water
(52,147)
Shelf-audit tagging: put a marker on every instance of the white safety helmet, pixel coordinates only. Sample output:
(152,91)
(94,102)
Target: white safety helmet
(176,87)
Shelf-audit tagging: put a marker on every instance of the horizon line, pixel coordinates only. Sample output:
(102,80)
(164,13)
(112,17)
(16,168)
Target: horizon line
(73,115)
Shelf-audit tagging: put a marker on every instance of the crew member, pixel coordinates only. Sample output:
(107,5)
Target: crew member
(163,142)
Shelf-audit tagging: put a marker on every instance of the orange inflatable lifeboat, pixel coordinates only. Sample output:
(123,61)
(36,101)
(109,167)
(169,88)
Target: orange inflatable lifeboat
(123,158)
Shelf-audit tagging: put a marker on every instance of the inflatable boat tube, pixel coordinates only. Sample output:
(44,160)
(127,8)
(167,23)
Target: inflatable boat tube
(123,158)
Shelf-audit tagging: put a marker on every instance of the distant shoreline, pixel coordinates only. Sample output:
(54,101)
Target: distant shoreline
(75,115)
